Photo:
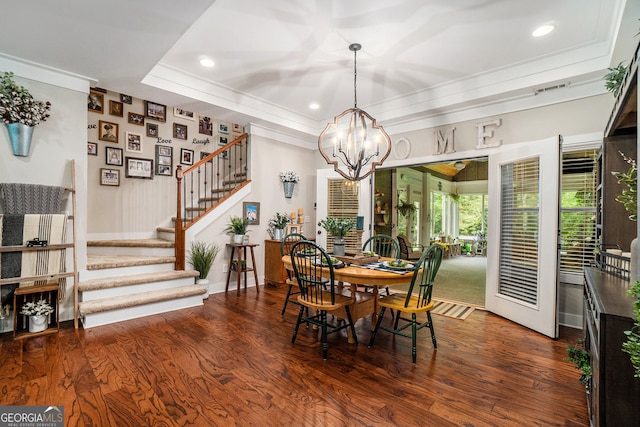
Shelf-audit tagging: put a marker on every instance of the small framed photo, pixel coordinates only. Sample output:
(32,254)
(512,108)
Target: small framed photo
(223,127)
(164,160)
(223,139)
(139,168)
(108,131)
(179,131)
(183,114)
(126,99)
(252,212)
(205,125)
(95,102)
(186,156)
(134,142)
(92,148)
(156,111)
(152,130)
(136,119)
(295,228)
(115,108)
(110,177)
(113,156)
(236,128)
(204,154)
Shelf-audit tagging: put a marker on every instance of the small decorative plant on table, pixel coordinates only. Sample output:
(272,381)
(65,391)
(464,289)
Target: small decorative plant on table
(277,224)
(37,312)
(338,228)
(237,228)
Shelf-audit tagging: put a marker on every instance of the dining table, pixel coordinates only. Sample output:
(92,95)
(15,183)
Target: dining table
(350,276)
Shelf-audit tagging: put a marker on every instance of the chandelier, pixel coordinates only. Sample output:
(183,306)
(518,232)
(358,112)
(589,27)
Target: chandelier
(354,143)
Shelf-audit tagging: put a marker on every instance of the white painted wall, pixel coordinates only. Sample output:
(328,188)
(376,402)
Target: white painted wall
(55,142)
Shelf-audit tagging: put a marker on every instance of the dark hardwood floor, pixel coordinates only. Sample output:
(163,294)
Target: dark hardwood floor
(231,362)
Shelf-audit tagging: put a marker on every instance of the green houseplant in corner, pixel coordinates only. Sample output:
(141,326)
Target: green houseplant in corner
(582,360)
(201,256)
(237,228)
(20,112)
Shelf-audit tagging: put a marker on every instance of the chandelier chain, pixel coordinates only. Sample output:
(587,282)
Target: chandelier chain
(355,79)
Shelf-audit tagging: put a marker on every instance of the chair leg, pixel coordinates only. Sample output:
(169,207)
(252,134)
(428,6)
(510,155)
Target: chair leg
(325,343)
(413,337)
(353,328)
(375,330)
(295,331)
(286,299)
(433,332)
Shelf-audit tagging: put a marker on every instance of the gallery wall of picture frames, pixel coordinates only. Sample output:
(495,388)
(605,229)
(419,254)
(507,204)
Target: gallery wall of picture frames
(142,136)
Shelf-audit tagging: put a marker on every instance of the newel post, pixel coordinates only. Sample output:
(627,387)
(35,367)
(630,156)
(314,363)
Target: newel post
(179,226)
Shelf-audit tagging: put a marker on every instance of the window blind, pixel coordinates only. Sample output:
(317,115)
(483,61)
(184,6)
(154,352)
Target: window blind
(342,202)
(520,217)
(578,211)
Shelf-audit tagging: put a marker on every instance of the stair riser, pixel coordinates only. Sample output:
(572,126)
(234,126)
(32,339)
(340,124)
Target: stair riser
(125,271)
(133,251)
(166,236)
(119,315)
(134,289)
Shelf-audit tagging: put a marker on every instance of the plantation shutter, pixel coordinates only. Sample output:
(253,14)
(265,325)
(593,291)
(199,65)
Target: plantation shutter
(342,202)
(578,212)
(520,222)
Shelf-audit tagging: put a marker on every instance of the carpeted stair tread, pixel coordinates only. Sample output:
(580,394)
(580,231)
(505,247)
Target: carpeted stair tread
(133,243)
(134,300)
(166,229)
(134,279)
(99,262)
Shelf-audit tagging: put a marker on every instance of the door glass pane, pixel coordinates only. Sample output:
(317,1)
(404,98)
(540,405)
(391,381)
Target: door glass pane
(520,214)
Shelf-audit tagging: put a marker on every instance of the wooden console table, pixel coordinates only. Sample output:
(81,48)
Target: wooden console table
(242,256)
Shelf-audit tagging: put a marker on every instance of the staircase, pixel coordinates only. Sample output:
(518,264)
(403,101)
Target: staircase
(127,279)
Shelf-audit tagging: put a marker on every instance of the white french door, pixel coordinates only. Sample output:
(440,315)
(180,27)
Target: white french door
(522,250)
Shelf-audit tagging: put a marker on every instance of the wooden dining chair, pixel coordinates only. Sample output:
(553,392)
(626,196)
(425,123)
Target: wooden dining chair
(416,300)
(292,285)
(383,245)
(319,293)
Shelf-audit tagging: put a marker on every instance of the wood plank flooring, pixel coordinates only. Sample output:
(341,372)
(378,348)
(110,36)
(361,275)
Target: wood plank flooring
(231,362)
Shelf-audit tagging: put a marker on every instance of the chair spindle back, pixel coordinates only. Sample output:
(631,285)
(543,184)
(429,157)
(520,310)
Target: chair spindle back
(383,245)
(309,260)
(430,264)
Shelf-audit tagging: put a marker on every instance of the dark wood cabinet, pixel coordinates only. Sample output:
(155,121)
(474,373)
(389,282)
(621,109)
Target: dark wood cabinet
(274,271)
(613,395)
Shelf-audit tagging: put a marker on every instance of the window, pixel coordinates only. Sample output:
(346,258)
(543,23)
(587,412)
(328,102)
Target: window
(578,212)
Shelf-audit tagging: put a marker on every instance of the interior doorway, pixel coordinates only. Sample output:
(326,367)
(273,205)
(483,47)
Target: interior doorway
(440,202)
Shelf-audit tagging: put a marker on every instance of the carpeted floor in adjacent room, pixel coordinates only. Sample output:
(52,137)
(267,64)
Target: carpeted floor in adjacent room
(460,279)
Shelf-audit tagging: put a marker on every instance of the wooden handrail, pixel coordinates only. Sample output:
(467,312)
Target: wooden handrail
(222,168)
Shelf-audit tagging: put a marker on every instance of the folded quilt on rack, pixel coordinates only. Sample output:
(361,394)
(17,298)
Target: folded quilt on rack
(17,230)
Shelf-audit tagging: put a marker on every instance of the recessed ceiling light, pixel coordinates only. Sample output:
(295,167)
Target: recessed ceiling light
(314,106)
(207,62)
(543,30)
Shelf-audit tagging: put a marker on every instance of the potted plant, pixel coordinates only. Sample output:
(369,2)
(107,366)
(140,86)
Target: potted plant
(289,179)
(237,227)
(277,224)
(613,79)
(582,360)
(38,312)
(20,113)
(201,256)
(338,228)
(632,344)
